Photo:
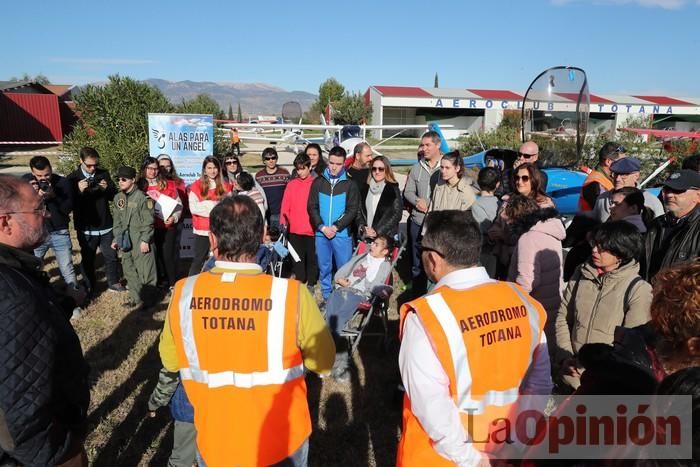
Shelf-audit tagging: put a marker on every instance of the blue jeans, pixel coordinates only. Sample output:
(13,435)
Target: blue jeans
(299,458)
(59,241)
(338,249)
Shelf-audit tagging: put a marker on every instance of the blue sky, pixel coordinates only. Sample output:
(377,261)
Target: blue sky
(625,46)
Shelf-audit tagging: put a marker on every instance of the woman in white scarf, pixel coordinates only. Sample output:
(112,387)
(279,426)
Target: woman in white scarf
(382,205)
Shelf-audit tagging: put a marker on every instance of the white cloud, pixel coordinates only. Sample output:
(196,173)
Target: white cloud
(100,61)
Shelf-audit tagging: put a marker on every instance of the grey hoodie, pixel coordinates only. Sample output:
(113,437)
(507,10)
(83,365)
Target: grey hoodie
(419,184)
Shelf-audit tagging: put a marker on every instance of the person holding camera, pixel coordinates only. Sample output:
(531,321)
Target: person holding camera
(57,195)
(94,189)
(133,236)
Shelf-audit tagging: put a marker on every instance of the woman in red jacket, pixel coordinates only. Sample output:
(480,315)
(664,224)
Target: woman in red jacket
(294,215)
(205,193)
(167,213)
(168,170)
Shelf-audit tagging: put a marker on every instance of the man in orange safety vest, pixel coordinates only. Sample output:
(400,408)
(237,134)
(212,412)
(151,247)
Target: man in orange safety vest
(469,349)
(241,340)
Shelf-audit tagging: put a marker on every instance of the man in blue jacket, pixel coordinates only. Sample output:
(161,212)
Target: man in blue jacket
(333,204)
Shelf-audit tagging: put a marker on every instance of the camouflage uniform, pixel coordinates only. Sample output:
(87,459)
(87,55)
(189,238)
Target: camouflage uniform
(134,211)
(170,391)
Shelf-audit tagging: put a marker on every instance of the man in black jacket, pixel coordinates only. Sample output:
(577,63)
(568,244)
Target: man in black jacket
(675,236)
(57,194)
(44,392)
(94,189)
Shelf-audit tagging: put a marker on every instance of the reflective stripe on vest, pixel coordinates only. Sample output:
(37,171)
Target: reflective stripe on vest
(276,373)
(460,362)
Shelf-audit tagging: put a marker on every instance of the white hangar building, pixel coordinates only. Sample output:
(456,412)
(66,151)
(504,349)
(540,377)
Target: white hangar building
(472,110)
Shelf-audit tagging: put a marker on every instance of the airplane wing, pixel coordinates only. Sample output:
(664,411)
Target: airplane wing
(664,133)
(400,127)
(279,126)
(296,126)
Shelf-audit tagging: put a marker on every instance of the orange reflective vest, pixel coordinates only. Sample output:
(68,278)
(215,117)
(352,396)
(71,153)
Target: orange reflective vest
(593,177)
(236,344)
(486,339)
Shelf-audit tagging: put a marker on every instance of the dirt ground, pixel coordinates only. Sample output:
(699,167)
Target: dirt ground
(354,423)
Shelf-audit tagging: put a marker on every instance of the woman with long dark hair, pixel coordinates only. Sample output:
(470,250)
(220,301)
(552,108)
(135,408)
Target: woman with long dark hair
(318,163)
(159,188)
(381,203)
(528,181)
(536,261)
(453,190)
(169,171)
(205,193)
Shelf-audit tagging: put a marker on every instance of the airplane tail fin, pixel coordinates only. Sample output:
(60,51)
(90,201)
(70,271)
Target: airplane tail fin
(444,147)
(327,136)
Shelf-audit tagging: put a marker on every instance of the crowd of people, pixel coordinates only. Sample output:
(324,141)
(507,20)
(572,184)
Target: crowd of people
(626,265)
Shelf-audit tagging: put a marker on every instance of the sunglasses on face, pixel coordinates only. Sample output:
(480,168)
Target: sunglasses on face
(90,166)
(231,162)
(525,155)
(270,159)
(524,178)
(378,169)
(122,179)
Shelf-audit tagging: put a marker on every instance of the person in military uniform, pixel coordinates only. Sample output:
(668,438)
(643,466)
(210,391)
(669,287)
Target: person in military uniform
(133,213)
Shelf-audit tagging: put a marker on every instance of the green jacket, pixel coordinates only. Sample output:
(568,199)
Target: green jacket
(134,211)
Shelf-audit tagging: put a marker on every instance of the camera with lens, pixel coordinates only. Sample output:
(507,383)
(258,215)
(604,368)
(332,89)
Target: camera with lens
(94,181)
(44,185)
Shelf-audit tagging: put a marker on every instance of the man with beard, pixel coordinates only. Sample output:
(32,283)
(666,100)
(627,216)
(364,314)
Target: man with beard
(44,392)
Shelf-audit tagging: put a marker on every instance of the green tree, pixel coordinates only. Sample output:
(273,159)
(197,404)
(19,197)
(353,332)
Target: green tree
(230,112)
(351,109)
(240,114)
(329,91)
(41,79)
(201,104)
(113,120)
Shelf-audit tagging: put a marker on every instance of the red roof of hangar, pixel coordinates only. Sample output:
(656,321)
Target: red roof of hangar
(497,94)
(663,100)
(402,91)
(573,96)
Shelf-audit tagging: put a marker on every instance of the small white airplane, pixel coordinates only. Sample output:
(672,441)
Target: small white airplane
(290,131)
(346,136)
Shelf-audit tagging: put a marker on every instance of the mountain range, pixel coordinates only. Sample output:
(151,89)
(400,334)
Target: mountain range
(255,98)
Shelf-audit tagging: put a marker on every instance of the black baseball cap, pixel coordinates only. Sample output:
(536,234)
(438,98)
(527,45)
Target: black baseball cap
(683,180)
(126,172)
